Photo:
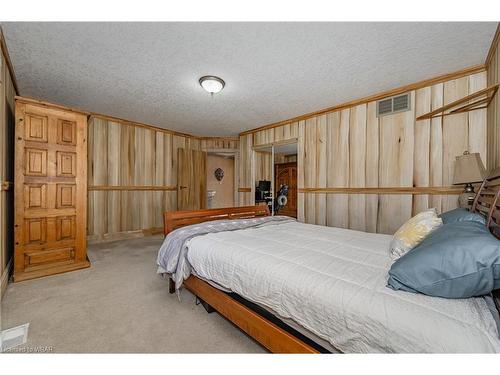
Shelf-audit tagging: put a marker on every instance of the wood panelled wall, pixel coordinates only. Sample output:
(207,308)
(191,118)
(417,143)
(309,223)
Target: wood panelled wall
(347,153)
(493,68)
(213,143)
(263,166)
(7,124)
(246,178)
(132,176)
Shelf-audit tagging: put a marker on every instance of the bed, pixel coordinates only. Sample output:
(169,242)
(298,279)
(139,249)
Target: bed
(300,288)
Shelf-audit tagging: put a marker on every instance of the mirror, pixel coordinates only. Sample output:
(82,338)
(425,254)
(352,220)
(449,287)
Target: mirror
(275,177)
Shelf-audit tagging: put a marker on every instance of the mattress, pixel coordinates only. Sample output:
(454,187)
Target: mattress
(332,282)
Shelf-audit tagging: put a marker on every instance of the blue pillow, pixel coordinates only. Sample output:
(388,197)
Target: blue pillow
(461,214)
(457,260)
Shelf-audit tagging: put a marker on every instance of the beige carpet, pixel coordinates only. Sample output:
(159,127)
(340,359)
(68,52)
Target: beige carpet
(119,305)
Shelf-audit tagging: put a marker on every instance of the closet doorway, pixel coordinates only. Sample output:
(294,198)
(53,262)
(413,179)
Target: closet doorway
(275,177)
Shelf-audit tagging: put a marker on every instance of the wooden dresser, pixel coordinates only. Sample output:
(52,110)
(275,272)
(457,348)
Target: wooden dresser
(50,190)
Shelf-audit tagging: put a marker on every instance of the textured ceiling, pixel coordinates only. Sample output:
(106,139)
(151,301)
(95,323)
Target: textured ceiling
(148,72)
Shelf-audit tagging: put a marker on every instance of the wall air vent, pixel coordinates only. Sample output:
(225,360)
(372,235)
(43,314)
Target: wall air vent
(399,103)
(384,107)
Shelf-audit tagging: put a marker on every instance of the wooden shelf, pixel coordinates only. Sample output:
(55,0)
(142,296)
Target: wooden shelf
(472,102)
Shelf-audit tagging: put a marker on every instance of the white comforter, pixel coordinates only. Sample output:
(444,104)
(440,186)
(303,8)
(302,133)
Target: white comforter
(332,282)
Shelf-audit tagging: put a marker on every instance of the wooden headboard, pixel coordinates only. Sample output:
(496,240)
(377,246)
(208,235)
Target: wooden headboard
(487,202)
(176,219)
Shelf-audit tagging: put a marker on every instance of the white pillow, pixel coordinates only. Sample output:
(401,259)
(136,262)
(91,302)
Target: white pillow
(411,233)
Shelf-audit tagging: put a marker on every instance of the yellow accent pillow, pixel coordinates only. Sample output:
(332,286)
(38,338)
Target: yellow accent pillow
(411,233)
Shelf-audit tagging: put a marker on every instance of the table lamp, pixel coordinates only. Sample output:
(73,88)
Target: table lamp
(469,169)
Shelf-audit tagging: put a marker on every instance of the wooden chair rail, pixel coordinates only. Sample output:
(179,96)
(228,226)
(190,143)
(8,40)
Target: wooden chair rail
(132,187)
(430,190)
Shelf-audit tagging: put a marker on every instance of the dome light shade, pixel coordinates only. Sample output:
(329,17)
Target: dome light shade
(212,84)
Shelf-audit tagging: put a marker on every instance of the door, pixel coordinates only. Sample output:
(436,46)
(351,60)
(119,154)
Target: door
(286,174)
(191,179)
(50,191)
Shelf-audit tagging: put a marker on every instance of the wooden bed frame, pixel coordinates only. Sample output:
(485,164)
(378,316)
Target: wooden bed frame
(487,204)
(176,219)
(271,335)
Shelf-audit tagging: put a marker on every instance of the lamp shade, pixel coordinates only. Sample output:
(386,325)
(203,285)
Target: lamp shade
(469,169)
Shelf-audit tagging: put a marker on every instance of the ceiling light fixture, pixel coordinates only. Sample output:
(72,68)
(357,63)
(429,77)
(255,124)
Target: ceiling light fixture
(212,84)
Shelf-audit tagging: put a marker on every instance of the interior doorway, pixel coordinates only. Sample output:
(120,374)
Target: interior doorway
(220,175)
(275,177)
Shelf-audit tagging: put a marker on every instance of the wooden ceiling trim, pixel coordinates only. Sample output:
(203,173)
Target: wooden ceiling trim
(493,46)
(371,98)
(43,103)
(141,125)
(235,138)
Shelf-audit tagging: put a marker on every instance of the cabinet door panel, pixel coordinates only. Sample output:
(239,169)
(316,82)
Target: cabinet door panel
(66,132)
(65,164)
(49,257)
(35,162)
(65,195)
(65,228)
(35,196)
(35,231)
(36,128)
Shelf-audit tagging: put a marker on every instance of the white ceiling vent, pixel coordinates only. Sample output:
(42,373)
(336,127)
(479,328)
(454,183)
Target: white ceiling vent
(399,103)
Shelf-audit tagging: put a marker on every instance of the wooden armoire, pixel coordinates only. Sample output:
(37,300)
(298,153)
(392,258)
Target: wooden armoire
(286,174)
(50,190)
